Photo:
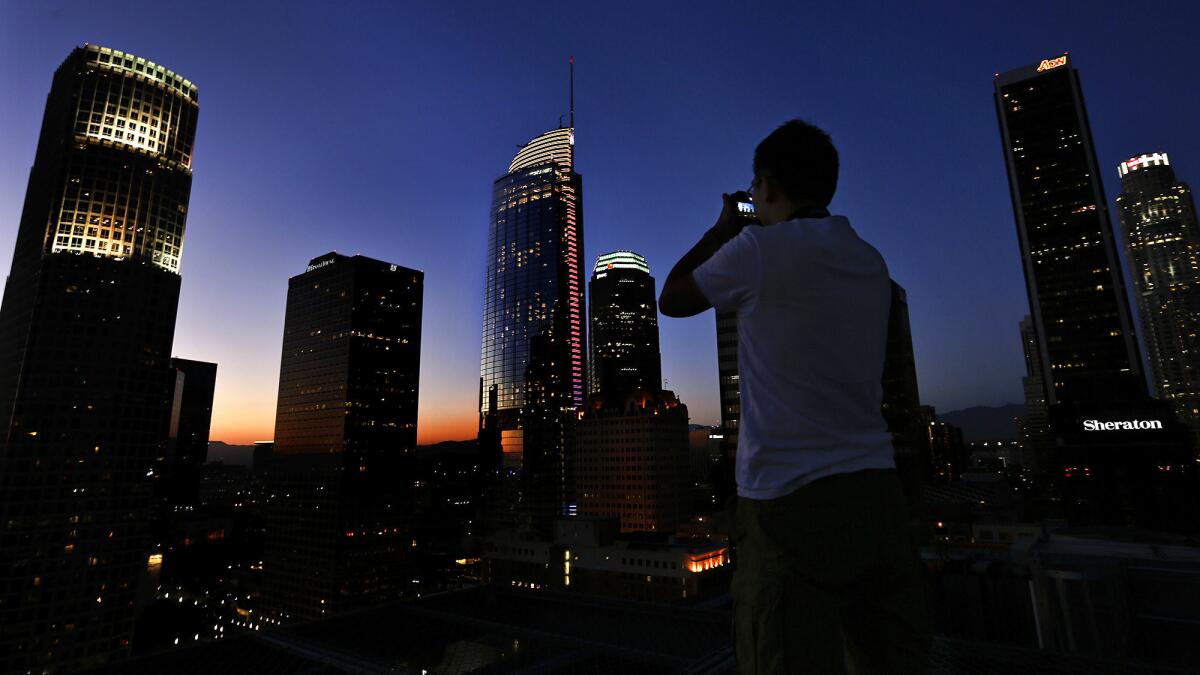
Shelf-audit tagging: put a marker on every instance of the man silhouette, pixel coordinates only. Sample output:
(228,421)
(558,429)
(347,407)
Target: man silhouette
(827,580)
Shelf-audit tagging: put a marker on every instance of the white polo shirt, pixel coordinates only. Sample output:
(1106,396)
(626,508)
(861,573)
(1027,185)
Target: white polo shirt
(812,302)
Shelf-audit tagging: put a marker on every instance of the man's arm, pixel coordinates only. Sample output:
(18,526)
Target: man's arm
(680,296)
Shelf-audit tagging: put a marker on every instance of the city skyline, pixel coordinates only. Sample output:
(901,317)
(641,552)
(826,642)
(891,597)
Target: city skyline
(966,351)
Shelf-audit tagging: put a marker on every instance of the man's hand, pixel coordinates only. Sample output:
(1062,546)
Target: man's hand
(680,296)
(728,223)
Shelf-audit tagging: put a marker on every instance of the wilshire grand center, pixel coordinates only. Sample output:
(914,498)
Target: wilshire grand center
(532,378)
(86,330)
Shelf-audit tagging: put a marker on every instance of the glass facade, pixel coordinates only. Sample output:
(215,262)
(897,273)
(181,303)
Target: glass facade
(1162,240)
(532,364)
(624,326)
(533,331)
(86,331)
(1072,272)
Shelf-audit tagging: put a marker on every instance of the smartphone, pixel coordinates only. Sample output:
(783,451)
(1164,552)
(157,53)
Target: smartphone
(745,208)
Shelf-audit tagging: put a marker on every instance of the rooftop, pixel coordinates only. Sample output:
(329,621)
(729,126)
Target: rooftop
(492,630)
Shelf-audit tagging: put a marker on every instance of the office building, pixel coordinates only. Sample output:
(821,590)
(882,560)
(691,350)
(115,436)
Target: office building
(1072,273)
(902,400)
(1035,426)
(947,450)
(1110,438)
(86,330)
(192,390)
(624,351)
(1162,240)
(730,391)
(532,366)
(587,555)
(631,460)
(339,478)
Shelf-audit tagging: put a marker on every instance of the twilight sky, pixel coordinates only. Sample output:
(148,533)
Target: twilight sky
(378,128)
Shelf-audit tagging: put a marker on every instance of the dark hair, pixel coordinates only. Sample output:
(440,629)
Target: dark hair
(802,160)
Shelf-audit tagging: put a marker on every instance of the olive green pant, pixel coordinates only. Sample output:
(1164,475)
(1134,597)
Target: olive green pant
(827,581)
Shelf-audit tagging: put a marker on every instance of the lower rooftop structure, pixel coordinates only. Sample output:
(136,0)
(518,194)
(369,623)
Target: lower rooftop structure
(487,630)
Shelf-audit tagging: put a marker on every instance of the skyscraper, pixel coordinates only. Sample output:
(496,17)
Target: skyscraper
(1072,272)
(1035,427)
(631,460)
(532,366)
(1111,441)
(187,439)
(730,390)
(902,401)
(345,433)
(86,329)
(624,326)
(1162,240)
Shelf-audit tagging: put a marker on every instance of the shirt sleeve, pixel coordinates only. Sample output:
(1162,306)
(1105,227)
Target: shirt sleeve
(729,279)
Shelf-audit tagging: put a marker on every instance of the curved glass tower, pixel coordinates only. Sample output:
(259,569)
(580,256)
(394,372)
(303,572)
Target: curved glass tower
(532,365)
(86,329)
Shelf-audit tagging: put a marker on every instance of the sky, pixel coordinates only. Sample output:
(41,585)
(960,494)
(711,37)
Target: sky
(377,128)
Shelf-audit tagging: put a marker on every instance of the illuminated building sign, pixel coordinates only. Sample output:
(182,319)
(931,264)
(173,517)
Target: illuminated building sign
(319,265)
(1050,64)
(622,260)
(1124,425)
(1143,161)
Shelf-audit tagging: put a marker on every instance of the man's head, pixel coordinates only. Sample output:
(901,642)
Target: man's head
(795,170)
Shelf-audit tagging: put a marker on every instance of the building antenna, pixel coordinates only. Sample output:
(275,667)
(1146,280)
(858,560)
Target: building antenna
(571,61)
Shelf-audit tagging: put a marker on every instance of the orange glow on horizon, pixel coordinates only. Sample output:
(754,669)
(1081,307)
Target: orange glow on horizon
(429,431)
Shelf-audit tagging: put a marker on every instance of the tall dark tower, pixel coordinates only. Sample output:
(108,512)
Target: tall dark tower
(730,391)
(1110,438)
(192,393)
(86,329)
(532,366)
(1072,270)
(1036,436)
(624,325)
(1158,215)
(345,433)
(901,406)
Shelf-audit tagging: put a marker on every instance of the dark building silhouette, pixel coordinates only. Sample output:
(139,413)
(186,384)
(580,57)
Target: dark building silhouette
(1035,427)
(947,450)
(532,365)
(1162,240)
(902,400)
(1080,315)
(730,390)
(192,391)
(631,460)
(339,478)
(1072,271)
(178,470)
(625,353)
(86,329)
